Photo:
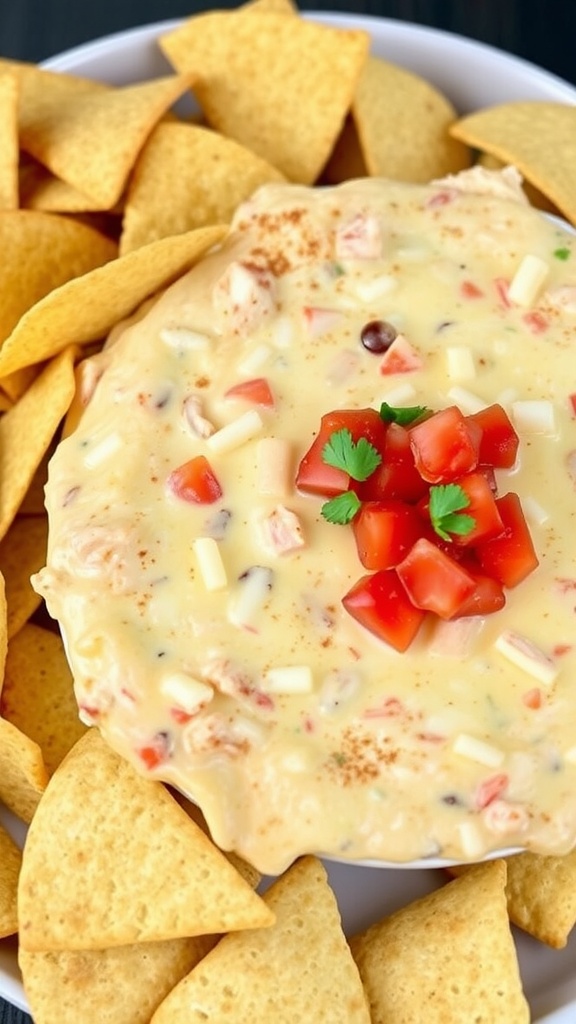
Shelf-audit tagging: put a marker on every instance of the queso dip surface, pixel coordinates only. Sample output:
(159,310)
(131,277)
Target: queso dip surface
(208,641)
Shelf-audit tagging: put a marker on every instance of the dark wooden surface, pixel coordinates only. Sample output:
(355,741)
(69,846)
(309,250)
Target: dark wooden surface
(537,30)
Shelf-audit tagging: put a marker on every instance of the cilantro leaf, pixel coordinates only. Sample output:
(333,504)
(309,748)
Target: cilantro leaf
(357,458)
(446,516)
(341,509)
(562,254)
(402,415)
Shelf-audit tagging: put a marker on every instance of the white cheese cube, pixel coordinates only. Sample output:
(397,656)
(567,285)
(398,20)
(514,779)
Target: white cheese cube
(460,362)
(528,280)
(289,679)
(527,656)
(467,401)
(210,563)
(478,750)
(185,691)
(102,451)
(274,462)
(236,433)
(534,416)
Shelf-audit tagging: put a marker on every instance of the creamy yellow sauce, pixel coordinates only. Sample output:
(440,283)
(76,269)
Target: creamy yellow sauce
(242,680)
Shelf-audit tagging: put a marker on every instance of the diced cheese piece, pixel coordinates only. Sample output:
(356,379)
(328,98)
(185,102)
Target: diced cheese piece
(274,462)
(528,280)
(185,691)
(102,450)
(372,288)
(289,679)
(399,395)
(467,401)
(210,563)
(250,595)
(184,338)
(460,362)
(236,433)
(534,416)
(254,360)
(534,511)
(527,656)
(471,840)
(478,750)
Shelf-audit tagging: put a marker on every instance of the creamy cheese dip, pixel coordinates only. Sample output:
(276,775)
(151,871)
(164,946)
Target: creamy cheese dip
(208,642)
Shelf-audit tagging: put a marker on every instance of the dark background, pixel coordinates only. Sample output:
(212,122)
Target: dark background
(540,31)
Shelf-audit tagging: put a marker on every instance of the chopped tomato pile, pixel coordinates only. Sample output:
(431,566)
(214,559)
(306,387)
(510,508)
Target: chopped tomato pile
(420,493)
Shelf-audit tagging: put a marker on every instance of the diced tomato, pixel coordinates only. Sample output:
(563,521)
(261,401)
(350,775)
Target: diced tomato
(510,556)
(401,357)
(397,476)
(499,441)
(434,581)
(195,481)
(256,391)
(501,285)
(572,400)
(532,698)
(445,446)
(490,789)
(385,531)
(536,321)
(487,597)
(469,290)
(482,508)
(380,603)
(156,752)
(314,476)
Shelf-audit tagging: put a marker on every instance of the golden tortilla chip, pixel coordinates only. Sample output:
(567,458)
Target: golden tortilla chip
(16,384)
(5,401)
(22,553)
(123,985)
(53,250)
(42,190)
(27,429)
(10,861)
(278,84)
(402,123)
(346,159)
(249,873)
(23,775)
(111,859)
(449,956)
(3,630)
(88,307)
(187,177)
(8,142)
(298,970)
(91,139)
(38,693)
(33,501)
(535,197)
(37,88)
(546,157)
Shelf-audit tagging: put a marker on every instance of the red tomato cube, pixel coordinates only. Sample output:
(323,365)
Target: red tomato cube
(434,581)
(510,556)
(195,481)
(482,508)
(445,445)
(256,391)
(313,475)
(380,603)
(397,476)
(487,597)
(385,531)
(499,441)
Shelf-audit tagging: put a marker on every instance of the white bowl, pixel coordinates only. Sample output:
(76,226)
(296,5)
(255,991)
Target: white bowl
(472,75)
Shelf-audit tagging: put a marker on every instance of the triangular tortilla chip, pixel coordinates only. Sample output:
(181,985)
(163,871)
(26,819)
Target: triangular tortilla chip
(111,859)
(23,775)
(298,970)
(546,157)
(8,142)
(27,429)
(88,307)
(449,956)
(38,693)
(91,139)
(278,84)
(3,629)
(10,861)
(53,250)
(89,985)
(187,177)
(22,552)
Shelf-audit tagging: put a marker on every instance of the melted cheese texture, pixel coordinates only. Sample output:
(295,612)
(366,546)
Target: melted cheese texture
(208,642)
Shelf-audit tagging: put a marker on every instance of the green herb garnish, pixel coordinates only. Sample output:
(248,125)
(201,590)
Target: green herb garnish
(403,416)
(445,508)
(563,253)
(357,458)
(341,509)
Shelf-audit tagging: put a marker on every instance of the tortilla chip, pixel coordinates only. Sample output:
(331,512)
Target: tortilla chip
(22,553)
(10,861)
(188,177)
(546,158)
(449,956)
(91,140)
(23,775)
(53,250)
(42,190)
(122,985)
(38,693)
(535,197)
(298,970)
(37,87)
(16,384)
(249,873)
(402,123)
(33,501)
(278,84)
(27,429)
(111,859)
(5,402)
(346,159)
(3,630)
(8,142)
(88,307)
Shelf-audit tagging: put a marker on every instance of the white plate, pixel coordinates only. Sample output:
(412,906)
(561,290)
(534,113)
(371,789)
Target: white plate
(473,75)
